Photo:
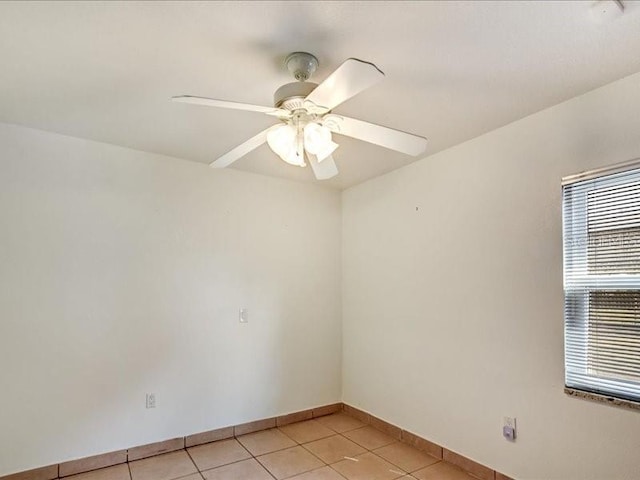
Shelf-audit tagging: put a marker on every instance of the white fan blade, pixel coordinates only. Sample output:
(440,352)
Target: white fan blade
(324,169)
(349,79)
(212,102)
(241,150)
(370,132)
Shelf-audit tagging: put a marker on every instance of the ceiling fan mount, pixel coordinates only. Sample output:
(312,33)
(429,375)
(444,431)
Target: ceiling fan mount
(291,95)
(301,65)
(306,124)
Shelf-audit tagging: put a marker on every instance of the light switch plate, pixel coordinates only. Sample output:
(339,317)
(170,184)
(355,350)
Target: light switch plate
(509,429)
(243,315)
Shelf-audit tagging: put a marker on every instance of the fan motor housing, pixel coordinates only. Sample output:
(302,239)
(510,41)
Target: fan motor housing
(291,95)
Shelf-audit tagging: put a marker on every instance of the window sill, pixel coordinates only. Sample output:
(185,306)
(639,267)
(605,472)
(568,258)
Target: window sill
(617,402)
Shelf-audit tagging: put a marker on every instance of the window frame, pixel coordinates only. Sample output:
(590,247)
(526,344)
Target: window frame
(572,387)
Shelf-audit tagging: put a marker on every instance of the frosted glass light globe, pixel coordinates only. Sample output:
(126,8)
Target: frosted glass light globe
(283,141)
(317,141)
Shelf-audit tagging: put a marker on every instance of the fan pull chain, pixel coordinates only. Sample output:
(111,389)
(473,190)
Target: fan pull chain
(300,142)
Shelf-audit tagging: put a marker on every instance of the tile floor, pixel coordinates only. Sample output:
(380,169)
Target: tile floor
(335,447)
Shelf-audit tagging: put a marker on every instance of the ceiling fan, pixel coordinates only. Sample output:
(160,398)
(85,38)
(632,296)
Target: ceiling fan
(306,122)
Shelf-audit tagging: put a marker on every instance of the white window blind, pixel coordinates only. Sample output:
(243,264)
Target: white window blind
(601,230)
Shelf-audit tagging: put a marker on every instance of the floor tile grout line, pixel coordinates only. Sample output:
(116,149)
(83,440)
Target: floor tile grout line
(402,468)
(256,457)
(243,447)
(257,461)
(407,472)
(288,436)
(265,468)
(129,468)
(384,459)
(311,453)
(348,429)
(180,476)
(401,440)
(274,451)
(324,438)
(298,444)
(314,455)
(401,471)
(251,456)
(224,465)
(339,474)
(267,453)
(187,475)
(192,461)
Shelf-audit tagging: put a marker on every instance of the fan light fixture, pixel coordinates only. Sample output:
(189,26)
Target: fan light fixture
(290,142)
(282,139)
(305,118)
(317,141)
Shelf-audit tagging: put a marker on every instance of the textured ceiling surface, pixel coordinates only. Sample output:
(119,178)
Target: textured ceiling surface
(454,70)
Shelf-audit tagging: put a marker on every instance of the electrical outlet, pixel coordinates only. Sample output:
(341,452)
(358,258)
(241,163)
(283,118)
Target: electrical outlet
(243,316)
(509,428)
(151,400)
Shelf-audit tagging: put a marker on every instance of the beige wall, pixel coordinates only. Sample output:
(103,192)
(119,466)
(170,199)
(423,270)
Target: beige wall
(452,294)
(122,273)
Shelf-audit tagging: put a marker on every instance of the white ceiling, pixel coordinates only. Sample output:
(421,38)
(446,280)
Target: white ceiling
(454,70)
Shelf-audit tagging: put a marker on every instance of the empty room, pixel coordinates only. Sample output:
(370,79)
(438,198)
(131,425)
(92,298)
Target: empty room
(320,240)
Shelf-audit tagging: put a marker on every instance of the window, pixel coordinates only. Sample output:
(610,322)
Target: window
(601,230)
